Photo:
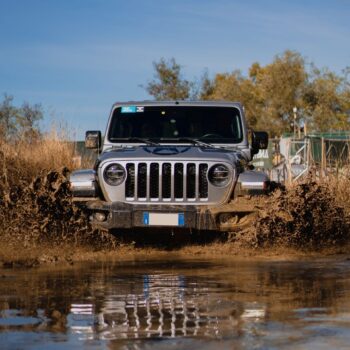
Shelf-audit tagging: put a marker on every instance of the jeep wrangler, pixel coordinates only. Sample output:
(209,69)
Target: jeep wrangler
(177,164)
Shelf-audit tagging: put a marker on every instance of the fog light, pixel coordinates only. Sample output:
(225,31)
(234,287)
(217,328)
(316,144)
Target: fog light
(228,218)
(99,216)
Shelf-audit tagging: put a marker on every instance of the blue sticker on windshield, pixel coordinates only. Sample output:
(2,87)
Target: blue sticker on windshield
(128,109)
(132,109)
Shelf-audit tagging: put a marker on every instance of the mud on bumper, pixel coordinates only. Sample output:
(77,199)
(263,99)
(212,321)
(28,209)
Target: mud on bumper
(116,215)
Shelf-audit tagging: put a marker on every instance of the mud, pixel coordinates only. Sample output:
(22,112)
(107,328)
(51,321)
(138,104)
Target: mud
(43,211)
(39,224)
(307,215)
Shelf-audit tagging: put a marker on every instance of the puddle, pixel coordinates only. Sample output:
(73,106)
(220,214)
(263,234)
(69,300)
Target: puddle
(178,304)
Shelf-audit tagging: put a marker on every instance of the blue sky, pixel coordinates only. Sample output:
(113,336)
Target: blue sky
(78,57)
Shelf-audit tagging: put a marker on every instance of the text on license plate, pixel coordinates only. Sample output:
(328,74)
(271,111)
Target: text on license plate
(163,219)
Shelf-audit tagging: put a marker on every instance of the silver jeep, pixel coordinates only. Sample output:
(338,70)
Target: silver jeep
(171,164)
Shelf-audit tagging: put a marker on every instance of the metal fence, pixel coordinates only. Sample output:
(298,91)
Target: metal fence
(288,159)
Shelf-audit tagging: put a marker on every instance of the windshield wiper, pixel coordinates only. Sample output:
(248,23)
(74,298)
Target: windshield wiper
(136,139)
(196,142)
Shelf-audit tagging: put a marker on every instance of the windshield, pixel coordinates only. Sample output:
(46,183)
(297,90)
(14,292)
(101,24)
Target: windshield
(174,123)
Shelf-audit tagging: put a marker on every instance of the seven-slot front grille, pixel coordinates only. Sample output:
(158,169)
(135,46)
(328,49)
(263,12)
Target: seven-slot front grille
(165,181)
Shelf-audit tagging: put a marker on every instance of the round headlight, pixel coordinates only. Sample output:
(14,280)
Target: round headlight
(219,175)
(114,174)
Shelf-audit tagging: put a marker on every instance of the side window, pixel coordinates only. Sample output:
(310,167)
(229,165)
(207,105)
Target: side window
(236,128)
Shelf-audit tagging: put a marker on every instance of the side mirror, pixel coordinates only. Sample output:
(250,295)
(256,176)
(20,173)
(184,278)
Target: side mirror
(260,140)
(93,139)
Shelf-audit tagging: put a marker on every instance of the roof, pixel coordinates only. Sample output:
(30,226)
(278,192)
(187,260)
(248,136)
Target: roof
(180,103)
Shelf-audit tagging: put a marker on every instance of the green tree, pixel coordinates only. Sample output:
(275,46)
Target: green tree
(16,122)
(28,121)
(280,87)
(268,94)
(168,82)
(205,87)
(8,116)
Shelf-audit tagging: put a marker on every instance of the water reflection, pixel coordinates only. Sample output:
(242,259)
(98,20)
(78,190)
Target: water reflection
(160,305)
(112,305)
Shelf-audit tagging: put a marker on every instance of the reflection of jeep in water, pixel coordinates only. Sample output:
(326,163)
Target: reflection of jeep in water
(172,164)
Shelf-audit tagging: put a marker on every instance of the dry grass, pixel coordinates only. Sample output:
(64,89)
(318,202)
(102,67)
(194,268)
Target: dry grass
(22,160)
(28,159)
(51,152)
(339,186)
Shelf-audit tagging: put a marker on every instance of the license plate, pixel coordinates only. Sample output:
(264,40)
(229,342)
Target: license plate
(163,219)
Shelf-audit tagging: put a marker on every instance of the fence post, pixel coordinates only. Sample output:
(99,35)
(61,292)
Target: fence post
(308,154)
(289,166)
(323,158)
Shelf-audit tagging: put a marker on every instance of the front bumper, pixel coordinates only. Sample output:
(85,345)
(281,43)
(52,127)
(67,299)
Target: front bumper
(119,215)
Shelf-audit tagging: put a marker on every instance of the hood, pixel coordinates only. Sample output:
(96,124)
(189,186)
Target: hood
(171,152)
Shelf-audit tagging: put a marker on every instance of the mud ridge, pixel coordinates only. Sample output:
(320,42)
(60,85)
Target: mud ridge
(308,215)
(43,211)
(305,216)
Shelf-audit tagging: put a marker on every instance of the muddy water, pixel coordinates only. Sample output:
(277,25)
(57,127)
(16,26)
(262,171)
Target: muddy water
(178,304)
